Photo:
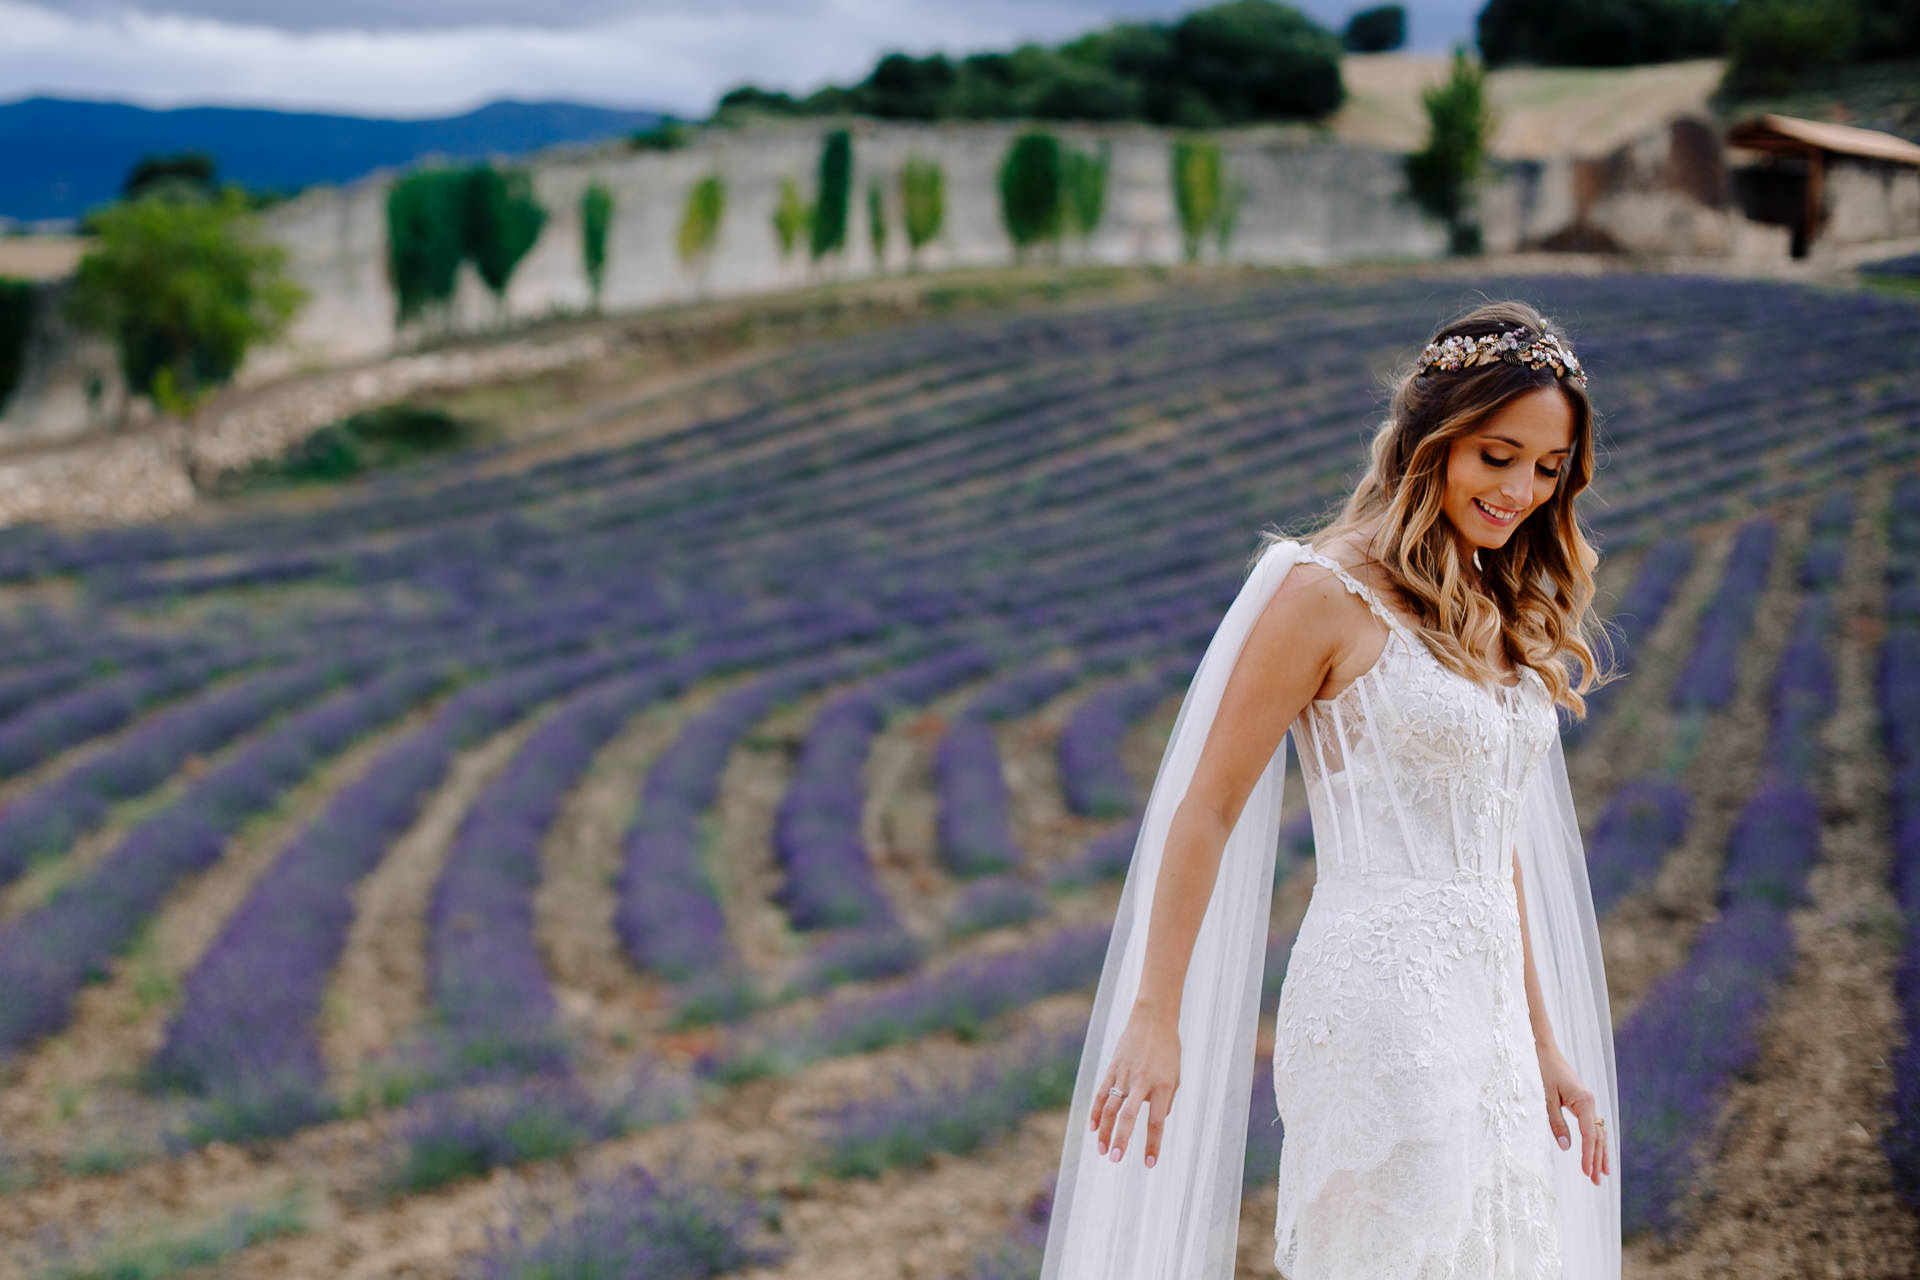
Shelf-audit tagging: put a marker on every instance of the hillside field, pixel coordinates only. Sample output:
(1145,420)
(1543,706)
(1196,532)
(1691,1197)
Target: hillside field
(685,837)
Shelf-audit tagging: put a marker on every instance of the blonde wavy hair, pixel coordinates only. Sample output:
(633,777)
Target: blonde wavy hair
(1539,586)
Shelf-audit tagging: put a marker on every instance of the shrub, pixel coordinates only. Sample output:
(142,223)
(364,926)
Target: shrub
(502,222)
(1030,204)
(829,223)
(596,218)
(877,220)
(426,239)
(923,202)
(792,216)
(1196,190)
(700,222)
(1084,176)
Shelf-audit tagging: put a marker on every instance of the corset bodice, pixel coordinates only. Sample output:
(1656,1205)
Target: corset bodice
(1414,769)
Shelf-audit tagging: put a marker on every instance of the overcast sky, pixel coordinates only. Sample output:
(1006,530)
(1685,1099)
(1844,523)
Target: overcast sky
(432,57)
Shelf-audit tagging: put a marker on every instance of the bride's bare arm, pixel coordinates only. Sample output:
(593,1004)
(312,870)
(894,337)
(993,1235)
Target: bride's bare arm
(1536,1002)
(1288,653)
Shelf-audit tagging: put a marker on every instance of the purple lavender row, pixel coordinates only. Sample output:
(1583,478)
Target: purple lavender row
(1900,722)
(22,688)
(816,839)
(47,955)
(961,996)
(488,983)
(974,824)
(1902,570)
(635,1225)
(1706,680)
(1645,819)
(244,1031)
(668,916)
(47,728)
(1641,607)
(1095,781)
(1700,1025)
(905,1127)
(1825,556)
(47,821)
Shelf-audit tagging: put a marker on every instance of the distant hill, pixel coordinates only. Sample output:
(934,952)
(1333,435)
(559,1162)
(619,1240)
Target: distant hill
(59,158)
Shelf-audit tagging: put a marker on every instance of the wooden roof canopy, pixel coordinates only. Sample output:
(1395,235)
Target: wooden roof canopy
(1794,136)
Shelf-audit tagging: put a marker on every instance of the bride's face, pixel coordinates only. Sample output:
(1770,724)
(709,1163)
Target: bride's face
(1499,475)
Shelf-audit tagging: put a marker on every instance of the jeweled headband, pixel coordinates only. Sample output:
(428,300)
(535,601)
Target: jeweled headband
(1460,352)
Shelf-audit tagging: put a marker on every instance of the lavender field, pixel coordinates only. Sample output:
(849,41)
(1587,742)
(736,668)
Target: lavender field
(684,844)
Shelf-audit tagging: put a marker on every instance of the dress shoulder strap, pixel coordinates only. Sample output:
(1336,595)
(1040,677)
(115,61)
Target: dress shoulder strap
(1360,589)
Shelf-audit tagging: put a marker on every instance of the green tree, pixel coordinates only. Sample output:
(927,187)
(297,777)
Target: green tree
(1198,194)
(1376,30)
(182,172)
(16,324)
(596,219)
(502,222)
(830,202)
(1441,176)
(426,240)
(1602,33)
(1772,43)
(1256,60)
(184,287)
(1030,191)
(700,222)
(792,217)
(877,220)
(923,203)
(1084,178)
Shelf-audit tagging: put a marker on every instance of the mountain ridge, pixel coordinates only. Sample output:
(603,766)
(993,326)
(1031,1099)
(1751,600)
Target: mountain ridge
(66,155)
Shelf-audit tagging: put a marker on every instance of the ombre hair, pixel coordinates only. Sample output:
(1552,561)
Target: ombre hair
(1539,586)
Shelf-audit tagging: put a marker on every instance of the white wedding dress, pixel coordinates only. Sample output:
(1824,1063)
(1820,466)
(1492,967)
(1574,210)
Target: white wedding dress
(1416,1143)
(1403,1063)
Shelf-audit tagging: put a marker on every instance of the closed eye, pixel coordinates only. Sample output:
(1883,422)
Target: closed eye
(1492,461)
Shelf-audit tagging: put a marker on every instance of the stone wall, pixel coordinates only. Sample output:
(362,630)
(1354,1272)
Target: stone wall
(1310,201)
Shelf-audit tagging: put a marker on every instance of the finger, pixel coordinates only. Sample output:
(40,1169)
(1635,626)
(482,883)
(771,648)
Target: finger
(1110,1112)
(1123,1128)
(1101,1097)
(1557,1123)
(1161,1103)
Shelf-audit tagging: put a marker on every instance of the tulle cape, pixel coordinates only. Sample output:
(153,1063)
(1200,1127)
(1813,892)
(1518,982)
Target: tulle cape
(1180,1220)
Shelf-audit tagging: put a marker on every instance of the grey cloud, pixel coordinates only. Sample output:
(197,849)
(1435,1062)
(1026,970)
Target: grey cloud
(429,15)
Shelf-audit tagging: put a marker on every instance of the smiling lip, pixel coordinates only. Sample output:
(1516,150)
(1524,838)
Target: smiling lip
(1494,519)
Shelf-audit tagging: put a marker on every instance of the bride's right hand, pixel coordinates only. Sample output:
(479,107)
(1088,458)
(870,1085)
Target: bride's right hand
(1145,1068)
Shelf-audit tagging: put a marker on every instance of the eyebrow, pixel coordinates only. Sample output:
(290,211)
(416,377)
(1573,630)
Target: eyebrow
(1516,444)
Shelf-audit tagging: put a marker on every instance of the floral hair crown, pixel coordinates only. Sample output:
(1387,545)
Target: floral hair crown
(1460,352)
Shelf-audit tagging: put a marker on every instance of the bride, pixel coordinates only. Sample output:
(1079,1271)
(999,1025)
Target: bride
(1443,1054)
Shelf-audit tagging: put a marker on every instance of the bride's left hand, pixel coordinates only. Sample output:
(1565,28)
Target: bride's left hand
(1564,1090)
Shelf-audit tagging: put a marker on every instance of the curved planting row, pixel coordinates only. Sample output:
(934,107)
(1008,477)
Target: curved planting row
(829,880)
(1093,778)
(1706,679)
(1700,1025)
(974,828)
(494,1006)
(47,821)
(1640,609)
(41,731)
(47,955)
(668,917)
(1899,688)
(244,1033)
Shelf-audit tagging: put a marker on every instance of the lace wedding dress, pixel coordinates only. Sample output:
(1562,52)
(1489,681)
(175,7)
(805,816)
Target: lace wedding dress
(1403,1063)
(1416,1143)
